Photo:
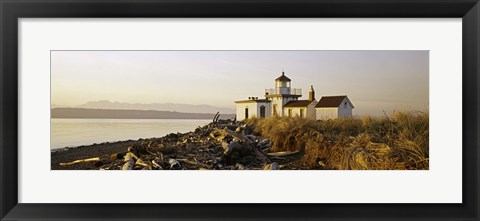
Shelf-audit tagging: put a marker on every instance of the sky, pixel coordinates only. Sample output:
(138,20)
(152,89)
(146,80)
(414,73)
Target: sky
(375,81)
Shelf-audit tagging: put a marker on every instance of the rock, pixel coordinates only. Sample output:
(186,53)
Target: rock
(116,156)
(239,166)
(248,129)
(218,166)
(174,164)
(321,161)
(172,135)
(321,164)
(272,166)
(129,162)
(138,149)
(253,138)
(99,163)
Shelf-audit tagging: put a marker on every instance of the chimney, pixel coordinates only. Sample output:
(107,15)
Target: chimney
(311,94)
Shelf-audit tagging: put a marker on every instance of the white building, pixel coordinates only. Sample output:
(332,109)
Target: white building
(283,101)
(332,107)
(253,107)
(302,108)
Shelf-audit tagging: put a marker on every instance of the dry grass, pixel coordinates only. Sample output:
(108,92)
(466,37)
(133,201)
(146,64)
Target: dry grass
(397,142)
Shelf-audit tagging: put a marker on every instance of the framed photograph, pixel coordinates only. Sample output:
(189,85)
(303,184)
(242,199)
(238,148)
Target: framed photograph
(318,110)
(279,131)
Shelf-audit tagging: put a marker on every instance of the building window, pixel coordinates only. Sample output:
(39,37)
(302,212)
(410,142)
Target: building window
(301,112)
(289,112)
(262,111)
(246,113)
(345,104)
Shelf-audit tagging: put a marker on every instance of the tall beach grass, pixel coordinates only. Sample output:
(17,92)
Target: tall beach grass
(396,142)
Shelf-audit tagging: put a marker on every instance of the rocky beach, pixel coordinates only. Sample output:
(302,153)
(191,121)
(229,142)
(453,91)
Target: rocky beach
(220,145)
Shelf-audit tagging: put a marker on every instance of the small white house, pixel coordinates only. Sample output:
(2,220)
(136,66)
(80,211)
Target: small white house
(302,108)
(253,107)
(332,107)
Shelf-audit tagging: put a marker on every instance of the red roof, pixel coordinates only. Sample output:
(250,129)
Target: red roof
(283,78)
(298,103)
(330,101)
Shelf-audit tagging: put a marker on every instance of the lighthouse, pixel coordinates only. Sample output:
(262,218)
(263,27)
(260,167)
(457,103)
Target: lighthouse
(281,94)
(283,101)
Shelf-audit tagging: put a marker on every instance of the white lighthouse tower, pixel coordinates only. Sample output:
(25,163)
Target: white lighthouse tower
(282,94)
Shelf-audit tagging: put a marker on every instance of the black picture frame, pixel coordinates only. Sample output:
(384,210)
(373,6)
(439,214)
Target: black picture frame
(12,10)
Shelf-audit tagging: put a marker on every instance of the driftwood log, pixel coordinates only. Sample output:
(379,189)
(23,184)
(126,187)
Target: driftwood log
(156,165)
(238,145)
(215,118)
(228,126)
(143,164)
(95,159)
(227,135)
(283,154)
(193,163)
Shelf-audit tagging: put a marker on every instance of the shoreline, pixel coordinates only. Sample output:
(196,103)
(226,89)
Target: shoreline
(68,154)
(206,148)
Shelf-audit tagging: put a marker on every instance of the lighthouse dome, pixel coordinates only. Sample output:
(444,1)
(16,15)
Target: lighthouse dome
(283,78)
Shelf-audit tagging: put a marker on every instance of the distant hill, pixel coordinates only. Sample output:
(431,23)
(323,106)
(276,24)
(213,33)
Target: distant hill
(57,106)
(130,114)
(184,108)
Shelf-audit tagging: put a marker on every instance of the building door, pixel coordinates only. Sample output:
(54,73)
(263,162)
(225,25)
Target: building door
(289,112)
(262,111)
(246,113)
(275,110)
(301,112)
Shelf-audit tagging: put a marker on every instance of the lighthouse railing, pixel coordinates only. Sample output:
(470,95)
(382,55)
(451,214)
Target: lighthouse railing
(283,90)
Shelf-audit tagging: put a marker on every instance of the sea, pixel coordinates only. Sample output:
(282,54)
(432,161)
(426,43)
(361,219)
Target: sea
(78,132)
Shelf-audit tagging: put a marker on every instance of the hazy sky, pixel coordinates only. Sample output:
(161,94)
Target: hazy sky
(375,81)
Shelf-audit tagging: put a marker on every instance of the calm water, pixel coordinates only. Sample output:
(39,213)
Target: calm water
(76,132)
